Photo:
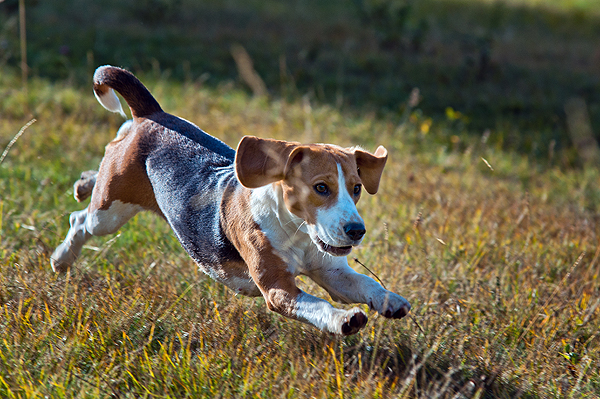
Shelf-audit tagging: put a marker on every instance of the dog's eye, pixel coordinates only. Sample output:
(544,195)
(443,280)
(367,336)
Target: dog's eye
(322,188)
(357,189)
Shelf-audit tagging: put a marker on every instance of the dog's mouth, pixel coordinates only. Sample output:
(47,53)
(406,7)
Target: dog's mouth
(335,251)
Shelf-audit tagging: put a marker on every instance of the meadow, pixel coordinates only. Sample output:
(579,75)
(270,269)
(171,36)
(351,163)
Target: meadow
(486,219)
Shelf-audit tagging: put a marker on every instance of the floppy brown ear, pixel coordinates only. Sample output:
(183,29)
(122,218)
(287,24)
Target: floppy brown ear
(259,162)
(370,167)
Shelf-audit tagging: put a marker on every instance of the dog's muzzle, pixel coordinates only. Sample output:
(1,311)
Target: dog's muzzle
(335,251)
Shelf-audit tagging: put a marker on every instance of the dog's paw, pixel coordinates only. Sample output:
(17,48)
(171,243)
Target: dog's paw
(83,187)
(398,314)
(392,306)
(62,259)
(354,320)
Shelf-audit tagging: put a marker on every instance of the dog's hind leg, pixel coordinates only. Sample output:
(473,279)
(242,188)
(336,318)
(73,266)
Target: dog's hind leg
(87,223)
(83,187)
(65,254)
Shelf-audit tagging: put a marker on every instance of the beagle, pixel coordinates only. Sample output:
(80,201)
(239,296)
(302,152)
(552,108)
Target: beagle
(252,218)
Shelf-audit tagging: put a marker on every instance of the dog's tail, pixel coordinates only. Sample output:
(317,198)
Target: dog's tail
(108,79)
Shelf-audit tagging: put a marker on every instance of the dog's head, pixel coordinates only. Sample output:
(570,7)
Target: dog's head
(321,184)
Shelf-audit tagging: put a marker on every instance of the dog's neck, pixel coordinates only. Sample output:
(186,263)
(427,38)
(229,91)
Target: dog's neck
(286,231)
(269,210)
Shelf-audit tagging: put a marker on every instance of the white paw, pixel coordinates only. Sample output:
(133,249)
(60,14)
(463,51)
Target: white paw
(62,258)
(353,321)
(390,305)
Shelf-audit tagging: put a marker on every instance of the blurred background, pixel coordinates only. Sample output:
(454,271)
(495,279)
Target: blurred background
(524,74)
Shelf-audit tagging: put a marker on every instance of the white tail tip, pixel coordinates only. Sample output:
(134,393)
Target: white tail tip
(110,101)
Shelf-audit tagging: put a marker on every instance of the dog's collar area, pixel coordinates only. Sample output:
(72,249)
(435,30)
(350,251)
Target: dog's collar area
(335,251)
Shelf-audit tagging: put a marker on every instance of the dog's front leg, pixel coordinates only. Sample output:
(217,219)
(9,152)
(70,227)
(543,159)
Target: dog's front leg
(347,286)
(322,315)
(284,297)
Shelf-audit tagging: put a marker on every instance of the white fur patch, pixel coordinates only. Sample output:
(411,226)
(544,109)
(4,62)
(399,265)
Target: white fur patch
(84,225)
(316,311)
(102,222)
(124,129)
(66,253)
(286,232)
(321,314)
(111,102)
(331,221)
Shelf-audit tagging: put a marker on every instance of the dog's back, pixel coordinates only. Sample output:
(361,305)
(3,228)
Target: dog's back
(167,165)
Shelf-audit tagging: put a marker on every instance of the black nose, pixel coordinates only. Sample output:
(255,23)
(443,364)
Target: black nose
(355,231)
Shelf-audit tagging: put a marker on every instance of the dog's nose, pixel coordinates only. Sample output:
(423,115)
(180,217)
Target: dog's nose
(355,231)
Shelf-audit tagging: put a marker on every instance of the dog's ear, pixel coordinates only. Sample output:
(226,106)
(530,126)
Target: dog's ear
(370,167)
(259,162)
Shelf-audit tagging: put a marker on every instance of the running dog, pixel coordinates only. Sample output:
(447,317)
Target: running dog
(252,218)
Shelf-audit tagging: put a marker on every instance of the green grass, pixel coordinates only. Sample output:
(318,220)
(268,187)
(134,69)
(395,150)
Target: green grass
(498,251)
(509,66)
(501,269)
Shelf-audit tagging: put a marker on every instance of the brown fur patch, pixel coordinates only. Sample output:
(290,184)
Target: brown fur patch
(122,174)
(370,167)
(267,268)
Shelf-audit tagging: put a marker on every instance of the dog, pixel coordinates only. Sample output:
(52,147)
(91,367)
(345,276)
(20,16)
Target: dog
(252,218)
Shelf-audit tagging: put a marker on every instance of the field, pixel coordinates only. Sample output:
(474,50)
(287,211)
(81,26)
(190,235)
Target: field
(486,219)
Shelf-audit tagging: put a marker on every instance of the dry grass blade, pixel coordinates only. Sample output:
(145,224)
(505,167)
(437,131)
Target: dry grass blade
(246,70)
(14,140)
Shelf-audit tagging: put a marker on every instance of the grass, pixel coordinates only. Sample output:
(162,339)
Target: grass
(498,251)
(501,267)
(509,66)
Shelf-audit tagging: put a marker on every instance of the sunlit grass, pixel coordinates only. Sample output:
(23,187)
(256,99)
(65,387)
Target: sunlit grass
(561,5)
(498,255)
